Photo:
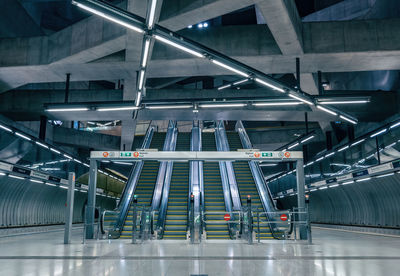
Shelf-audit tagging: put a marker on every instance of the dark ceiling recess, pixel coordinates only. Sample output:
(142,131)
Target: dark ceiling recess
(306,7)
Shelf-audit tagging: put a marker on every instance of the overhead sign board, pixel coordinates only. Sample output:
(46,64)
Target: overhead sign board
(198,155)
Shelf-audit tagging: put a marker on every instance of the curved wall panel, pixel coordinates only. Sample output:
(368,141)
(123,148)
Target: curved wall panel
(24,203)
(373,203)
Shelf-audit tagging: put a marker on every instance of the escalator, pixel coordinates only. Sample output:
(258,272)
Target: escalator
(145,186)
(176,222)
(213,193)
(247,186)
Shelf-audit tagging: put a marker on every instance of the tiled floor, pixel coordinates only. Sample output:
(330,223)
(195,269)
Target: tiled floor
(333,253)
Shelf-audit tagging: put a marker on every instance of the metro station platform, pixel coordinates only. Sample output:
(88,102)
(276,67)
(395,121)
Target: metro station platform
(333,253)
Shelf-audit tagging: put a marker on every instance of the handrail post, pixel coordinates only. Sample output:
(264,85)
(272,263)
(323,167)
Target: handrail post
(191,218)
(249,221)
(309,236)
(258,226)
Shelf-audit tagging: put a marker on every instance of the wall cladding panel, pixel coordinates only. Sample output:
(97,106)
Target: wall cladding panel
(24,203)
(374,203)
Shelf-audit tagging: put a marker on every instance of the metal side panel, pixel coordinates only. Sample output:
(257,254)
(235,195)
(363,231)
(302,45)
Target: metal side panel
(130,186)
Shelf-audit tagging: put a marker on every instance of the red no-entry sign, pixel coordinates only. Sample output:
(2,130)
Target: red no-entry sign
(227,217)
(284,217)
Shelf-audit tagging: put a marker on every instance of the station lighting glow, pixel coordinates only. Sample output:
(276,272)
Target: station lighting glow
(110,18)
(384,175)
(118,108)
(16,177)
(146,52)
(240,82)
(276,103)
(141,79)
(169,106)
(307,139)
(379,132)
(344,102)
(152,14)
(56,151)
(333,186)
(23,136)
(300,99)
(293,146)
(67,109)
(358,142)
(319,159)
(36,181)
(344,148)
(392,126)
(5,128)
(348,182)
(222,105)
(178,46)
(224,86)
(269,85)
(348,119)
(42,145)
(230,68)
(363,179)
(2,174)
(327,110)
(330,154)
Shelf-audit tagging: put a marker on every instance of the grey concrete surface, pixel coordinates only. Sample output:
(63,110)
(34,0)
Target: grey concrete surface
(333,253)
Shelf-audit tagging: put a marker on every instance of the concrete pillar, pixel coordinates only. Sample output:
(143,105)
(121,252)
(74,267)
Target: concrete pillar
(301,202)
(91,203)
(69,208)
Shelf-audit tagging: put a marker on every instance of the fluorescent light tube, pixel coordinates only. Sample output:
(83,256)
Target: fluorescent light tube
(333,186)
(300,99)
(268,165)
(138,98)
(330,154)
(307,139)
(123,163)
(2,174)
(342,149)
(327,110)
(384,175)
(313,190)
(348,182)
(99,13)
(67,156)
(16,177)
(392,126)
(276,103)
(118,108)
(323,188)
(240,82)
(358,142)
(309,164)
(145,52)
(222,105)
(5,128)
(51,184)
(348,119)
(23,136)
(67,109)
(63,187)
(269,85)
(141,79)
(169,106)
(293,146)
(379,132)
(86,165)
(36,181)
(224,86)
(345,102)
(78,161)
(319,159)
(42,145)
(230,68)
(363,179)
(176,45)
(54,150)
(152,13)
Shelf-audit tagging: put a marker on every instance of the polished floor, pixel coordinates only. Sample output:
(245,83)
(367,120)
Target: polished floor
(332,253)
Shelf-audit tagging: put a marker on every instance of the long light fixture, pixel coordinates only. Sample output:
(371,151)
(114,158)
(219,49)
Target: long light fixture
(152,14)
(110,18)
(42,145)
(269,85)
(294,145)
(276,103)
(138,98)
(118,108)
(67,109)
(141,79)
(384,175)
(344,148)
(146,51)
(5,128)
(392,126)
(23,136)
(16,177)
(378,133)
(348,119)
(363,179)
(224,86)
(240,82)
(330,154)
(327,110)
(230,68)
(178,106)
(344,102)
(358,142)
(176,45)
(56,151)
(307,139)
(222,105)
(300,99)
